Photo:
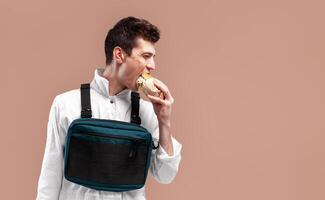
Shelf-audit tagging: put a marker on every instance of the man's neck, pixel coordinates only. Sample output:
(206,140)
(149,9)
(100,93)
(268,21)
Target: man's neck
(114,86)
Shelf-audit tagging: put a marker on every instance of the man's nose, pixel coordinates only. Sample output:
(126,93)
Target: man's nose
(151,66)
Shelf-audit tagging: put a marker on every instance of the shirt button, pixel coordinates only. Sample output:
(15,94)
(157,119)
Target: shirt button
(111,101)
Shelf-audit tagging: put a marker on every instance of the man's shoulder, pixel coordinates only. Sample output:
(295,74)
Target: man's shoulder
(68,104)
(69,96)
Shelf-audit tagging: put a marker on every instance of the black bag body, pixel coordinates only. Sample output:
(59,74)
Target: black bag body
(107,154)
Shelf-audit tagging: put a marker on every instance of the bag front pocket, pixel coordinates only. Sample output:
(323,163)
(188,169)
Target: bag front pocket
(104,158)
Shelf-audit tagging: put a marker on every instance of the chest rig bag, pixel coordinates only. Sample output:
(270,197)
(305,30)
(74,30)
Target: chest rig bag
(105,154)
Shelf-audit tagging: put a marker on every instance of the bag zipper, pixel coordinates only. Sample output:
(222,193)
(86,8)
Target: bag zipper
(113,121)
(136,142)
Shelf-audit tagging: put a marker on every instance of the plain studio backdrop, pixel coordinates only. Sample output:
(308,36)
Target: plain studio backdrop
(248,80)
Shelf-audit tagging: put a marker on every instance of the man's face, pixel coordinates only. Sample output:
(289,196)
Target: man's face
(141,60)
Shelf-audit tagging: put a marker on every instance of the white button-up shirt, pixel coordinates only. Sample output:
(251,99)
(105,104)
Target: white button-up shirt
(65,108)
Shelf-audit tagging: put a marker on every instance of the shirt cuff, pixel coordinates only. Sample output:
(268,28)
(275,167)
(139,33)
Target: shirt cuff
(163,155)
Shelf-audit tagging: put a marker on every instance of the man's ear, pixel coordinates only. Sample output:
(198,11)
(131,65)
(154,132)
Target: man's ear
(118,54)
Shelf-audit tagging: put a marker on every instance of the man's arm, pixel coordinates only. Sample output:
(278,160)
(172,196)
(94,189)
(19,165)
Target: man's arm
(165,138)
(164,166)
(163,110)
(50,179)
(166,159)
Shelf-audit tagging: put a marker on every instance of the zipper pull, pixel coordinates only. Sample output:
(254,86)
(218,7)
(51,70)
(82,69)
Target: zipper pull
(133,152)
(134,149)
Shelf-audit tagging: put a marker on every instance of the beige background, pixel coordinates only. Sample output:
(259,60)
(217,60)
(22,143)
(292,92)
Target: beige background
(247,76)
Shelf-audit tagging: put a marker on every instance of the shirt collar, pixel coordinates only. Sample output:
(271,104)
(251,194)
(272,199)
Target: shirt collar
(101,85)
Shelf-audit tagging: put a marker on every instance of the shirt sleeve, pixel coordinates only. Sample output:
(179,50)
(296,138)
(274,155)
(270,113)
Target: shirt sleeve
(50,178)
(164,167)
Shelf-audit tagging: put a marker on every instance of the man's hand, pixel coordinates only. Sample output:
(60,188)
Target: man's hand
(163,110)
(162,107)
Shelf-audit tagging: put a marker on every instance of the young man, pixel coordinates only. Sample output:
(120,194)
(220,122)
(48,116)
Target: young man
(130,51)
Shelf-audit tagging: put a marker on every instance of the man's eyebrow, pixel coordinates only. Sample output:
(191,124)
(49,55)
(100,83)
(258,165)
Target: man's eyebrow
(146,52)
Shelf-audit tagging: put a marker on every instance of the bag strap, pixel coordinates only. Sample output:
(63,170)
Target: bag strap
(135,104)
(85,101)
(86,105)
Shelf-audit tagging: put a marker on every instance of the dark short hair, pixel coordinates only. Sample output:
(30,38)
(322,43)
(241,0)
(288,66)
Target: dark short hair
(125,32)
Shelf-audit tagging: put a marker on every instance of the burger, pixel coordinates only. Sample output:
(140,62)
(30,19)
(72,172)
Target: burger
(145,84)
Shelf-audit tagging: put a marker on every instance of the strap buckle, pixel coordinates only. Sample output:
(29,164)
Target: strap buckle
(86,113)
(135,119)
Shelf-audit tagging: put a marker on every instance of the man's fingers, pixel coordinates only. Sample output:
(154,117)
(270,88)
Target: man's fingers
(155,99)
(161,85)
(163,88)
(158,100)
